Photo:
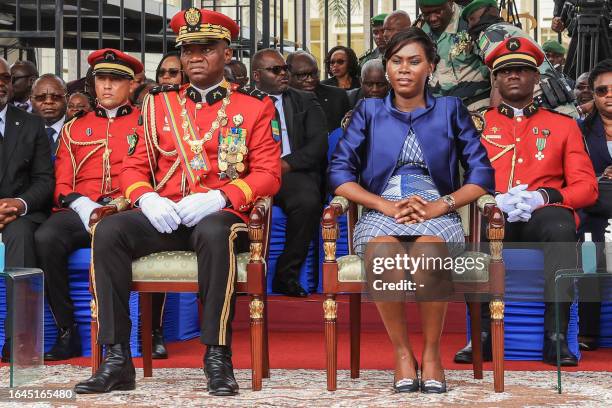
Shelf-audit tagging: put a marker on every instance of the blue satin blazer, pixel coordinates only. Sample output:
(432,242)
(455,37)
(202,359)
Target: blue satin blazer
(369,149)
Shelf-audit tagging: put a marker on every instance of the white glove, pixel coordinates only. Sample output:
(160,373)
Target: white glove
(83,206)
(160,211)
(519,215)
(194,207)
(507,201)
(530,201)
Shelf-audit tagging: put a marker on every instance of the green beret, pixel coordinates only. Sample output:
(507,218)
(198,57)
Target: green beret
(432,3)
(378,20)
(475,5)
(553,46)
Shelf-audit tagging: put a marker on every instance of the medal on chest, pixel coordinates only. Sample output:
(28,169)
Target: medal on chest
(232,149)
(191,133)
(541,142)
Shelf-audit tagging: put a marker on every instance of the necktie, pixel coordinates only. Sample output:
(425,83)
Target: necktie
(50,133)
(278,120)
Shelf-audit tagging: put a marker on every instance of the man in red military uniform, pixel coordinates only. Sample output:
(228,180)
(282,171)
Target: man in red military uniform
(542,174)
(204,153)
(90,154)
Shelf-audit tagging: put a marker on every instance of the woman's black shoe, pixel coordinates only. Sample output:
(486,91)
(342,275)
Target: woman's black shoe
(433,387)
(406,385)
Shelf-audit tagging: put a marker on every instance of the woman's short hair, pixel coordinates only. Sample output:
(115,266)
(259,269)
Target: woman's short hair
(411,35)
(353,62)
(603,67)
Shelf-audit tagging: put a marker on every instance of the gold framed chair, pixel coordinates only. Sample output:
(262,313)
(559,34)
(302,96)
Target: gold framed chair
(345,275)
(177,271)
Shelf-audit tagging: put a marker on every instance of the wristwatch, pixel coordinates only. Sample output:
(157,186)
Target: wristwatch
(450,201)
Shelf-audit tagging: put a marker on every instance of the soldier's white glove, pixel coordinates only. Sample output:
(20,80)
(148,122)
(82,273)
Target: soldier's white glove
(507,201)
(530,200)
(194,207)
(160,211)
(518,215)
(83,206)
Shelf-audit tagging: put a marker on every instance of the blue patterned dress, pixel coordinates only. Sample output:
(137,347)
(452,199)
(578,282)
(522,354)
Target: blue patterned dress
(375,224)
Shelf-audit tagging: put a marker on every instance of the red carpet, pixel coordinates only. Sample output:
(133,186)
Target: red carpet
(297,341)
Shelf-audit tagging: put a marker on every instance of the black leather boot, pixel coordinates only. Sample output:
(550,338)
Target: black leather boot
(464,356)
(67,345)
(159,348)
(117,372)
(549,352)
(219,371)
(6,350)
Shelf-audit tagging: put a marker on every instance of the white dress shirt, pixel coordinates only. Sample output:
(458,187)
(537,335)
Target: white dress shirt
(3,119)
(278,104)
(57,126)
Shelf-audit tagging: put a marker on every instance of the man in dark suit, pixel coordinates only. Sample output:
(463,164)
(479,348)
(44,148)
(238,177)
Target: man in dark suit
(300,125)
(26,180)
(304,75)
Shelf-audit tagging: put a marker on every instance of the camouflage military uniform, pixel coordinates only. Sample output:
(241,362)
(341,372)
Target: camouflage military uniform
(498,32)
(370,55)
(460,72)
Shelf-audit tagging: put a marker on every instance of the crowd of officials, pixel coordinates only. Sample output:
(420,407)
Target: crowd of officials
(192,149)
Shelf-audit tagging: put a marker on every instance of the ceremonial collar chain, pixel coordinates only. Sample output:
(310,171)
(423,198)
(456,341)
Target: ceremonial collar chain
(221,120)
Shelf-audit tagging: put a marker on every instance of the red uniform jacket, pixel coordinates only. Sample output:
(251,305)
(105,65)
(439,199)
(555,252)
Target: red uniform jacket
(156,165)
(90,155)
(543,149)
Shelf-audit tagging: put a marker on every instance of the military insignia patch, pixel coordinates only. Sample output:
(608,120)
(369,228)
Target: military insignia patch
(276,134)
(132,142)
(514,44)
(89,131)
(193,16)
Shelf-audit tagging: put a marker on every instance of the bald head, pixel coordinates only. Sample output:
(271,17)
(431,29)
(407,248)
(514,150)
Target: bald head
(269,71)
(49,98)
(304,71)
(395,22)
(5,83)
(374,84)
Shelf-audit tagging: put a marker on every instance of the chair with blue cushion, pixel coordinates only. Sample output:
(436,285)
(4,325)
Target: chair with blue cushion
(177,271)
(346,275)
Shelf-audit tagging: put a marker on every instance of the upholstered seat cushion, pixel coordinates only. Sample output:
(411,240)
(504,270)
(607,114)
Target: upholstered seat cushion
(177,266)
(351,268)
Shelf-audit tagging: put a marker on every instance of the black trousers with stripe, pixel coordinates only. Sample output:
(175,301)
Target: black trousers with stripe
(129,235)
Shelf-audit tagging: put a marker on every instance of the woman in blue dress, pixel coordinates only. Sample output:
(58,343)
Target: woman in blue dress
(399,158)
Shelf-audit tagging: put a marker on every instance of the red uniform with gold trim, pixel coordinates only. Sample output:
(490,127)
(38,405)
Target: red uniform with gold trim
(543,149)
(233,151)
(90,155)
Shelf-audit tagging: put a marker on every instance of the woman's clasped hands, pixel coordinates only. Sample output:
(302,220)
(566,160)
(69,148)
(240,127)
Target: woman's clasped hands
(413,209)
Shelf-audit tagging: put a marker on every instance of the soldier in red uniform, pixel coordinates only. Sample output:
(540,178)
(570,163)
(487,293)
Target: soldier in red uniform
(90,154)
(542,174)
(204,153)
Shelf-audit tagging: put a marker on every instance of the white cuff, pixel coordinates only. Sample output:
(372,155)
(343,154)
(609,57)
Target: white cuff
(24,204)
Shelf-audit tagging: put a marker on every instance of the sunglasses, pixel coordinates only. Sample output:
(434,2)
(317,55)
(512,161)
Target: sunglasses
(603,90)
(54,97)
(172,72)
(277,69)
(303,76)
(17,78)
(337,62)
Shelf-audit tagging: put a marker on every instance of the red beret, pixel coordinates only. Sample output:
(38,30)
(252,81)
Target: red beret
(195,25)
(114,62)
(515,52)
